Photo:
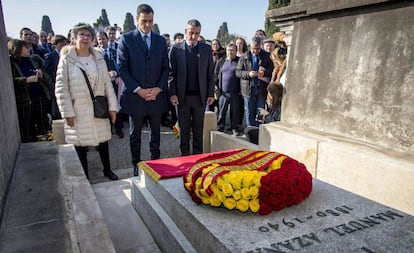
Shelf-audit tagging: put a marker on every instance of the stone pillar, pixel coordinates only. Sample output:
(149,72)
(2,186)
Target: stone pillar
(210,124)
(58,131)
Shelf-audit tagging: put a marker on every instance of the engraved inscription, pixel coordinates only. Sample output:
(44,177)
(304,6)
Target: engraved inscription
(340,230)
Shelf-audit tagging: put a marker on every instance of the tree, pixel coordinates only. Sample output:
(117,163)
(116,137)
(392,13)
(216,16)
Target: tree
(46,25)
(105,21)
(129,23)
(271,28)
(155,29)
(223,34)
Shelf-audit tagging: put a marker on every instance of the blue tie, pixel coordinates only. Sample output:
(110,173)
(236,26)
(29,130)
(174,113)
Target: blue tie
(147,41)
(255,68)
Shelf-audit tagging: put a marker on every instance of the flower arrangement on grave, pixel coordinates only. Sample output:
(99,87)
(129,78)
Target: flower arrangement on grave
(249,180)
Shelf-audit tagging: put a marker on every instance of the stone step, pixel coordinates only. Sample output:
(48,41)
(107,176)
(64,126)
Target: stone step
(126,228)
(330,220)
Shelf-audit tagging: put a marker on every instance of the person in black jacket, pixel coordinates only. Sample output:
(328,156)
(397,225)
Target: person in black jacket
(51,63)
(254,70)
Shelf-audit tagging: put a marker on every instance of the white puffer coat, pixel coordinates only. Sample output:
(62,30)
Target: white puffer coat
(74,100)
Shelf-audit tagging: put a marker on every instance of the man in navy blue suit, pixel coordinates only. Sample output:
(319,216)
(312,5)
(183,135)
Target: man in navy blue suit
(143,66)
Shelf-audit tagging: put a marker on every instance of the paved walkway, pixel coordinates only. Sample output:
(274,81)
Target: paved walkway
(120,154)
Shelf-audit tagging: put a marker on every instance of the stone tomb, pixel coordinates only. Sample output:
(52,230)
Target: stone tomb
(330,220)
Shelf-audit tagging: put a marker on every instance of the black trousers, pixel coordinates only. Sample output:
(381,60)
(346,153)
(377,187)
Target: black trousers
(135,127)
(191,118)
(103,149)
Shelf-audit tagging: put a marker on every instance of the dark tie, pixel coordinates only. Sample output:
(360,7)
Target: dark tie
(146,41)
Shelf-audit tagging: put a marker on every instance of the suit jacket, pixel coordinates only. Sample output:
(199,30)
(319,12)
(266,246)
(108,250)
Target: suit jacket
(140,67)
(245,65)
(111,59)
(51,63)
(178,71)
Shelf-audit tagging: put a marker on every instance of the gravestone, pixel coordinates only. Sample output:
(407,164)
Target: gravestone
(330,220)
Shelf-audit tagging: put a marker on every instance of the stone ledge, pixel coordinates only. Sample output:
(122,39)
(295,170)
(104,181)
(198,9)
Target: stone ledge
(221,141)
(374,172)
(308,8)
(88,229)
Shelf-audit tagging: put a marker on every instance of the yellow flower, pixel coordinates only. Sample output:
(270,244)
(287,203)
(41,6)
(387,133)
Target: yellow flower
(242,205)
(248,179)
(257,178)
(235,179)
(229,203)
(206,200)
(245,192)
(221,196)
(254,205)
(214,189)
(215,201)
(227,189)
(254,192)
(236,195)
(220,181)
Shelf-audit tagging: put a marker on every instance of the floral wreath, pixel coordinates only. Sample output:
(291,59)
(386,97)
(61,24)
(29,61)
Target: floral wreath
(258,181)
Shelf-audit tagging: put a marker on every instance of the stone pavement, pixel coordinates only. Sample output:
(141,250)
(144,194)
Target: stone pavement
(120,153)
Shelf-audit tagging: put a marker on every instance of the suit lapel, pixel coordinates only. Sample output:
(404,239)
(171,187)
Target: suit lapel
(141,42)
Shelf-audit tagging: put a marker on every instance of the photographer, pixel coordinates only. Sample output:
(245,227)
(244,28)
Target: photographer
(272,113)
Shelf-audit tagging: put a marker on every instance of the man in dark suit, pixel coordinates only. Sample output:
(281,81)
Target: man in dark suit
(191,85)
(143,66)
(51,63)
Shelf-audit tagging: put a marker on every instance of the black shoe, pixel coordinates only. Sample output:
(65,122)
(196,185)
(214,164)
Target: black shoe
(110,174)
(135,171)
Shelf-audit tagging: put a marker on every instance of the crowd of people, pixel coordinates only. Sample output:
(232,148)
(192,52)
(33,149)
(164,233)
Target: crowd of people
(147,80)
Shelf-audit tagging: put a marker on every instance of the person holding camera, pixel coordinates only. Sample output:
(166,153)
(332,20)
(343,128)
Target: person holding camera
(270,113)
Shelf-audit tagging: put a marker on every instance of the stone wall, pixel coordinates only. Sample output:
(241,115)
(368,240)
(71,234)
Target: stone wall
(9,125)
(351,69)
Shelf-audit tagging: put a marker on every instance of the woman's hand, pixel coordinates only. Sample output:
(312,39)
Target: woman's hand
(263,112)
(70,121)
(112,115)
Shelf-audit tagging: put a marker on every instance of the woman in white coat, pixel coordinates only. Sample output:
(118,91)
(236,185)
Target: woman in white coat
(82,129)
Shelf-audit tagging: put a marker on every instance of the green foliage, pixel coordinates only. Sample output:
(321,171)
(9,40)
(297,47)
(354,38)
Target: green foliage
(104,18)
(129,23)
(46,25)
(155,29)
(271,28)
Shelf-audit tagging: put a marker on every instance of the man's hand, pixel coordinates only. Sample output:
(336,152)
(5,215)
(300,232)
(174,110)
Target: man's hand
(174,100)
(149,94)
(210,100)
(253,74)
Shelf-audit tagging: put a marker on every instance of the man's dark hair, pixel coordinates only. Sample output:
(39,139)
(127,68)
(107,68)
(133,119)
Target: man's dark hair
(177,35)
(256,40)
(144,8)
(194,22)
(58,39)
(25,29)
(260,30)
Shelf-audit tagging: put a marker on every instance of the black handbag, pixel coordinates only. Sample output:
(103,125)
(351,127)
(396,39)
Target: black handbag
(100,103)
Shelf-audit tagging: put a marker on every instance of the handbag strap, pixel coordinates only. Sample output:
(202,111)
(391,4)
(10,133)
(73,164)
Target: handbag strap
(88,83)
